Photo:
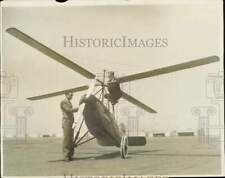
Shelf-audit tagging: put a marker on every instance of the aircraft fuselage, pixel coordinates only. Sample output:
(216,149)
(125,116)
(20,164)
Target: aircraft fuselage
(101,122)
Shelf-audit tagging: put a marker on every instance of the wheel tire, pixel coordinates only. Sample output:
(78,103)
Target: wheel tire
(124,147)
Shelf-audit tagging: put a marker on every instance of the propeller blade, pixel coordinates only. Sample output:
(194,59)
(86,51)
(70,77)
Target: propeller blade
(169,69)
(49,52)
(137,103)
(77,89)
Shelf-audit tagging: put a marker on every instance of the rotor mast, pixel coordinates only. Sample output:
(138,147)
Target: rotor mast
(103,85)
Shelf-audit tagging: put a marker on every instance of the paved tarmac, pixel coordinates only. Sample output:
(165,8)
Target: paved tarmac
(161,156)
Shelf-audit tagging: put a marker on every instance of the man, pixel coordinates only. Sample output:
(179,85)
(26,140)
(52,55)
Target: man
(67,123)
(113,88)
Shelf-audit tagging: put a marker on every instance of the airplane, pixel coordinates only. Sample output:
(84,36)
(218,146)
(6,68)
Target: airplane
(95,105)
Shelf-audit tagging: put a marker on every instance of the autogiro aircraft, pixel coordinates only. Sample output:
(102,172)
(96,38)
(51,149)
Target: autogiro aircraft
(97,108)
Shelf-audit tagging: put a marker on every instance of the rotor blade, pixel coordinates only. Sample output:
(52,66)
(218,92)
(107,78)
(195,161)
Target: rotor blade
(137,103)
(169,69)
(49,52)
(77,89)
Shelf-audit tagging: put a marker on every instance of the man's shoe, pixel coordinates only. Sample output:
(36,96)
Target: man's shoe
(67,159)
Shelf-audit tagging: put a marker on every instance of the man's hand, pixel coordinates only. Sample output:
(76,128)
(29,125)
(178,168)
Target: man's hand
(74,125)
(75,109)
(82,99)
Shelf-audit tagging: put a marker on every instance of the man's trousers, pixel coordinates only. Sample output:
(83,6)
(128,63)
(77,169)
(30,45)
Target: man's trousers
(68,132)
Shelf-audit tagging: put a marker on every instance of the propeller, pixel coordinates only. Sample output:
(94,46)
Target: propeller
(137,103)
(169,69)
(49,52)
(77,89)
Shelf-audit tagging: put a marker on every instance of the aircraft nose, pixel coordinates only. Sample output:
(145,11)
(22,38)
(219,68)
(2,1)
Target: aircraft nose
(82,99)
(85,99)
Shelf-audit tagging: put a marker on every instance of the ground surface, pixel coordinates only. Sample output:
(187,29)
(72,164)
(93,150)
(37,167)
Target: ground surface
(161,156)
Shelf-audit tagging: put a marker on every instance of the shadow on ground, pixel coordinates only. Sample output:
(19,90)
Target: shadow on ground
(111,155)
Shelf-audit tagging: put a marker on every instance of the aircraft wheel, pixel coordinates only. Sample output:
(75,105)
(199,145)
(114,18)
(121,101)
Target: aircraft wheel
(124,147)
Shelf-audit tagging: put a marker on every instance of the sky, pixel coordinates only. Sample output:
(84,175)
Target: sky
(193,30)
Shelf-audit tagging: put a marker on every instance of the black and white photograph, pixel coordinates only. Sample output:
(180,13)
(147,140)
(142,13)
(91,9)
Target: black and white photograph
(112,88)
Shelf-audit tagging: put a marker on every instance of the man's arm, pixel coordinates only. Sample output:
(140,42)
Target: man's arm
(67,107)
